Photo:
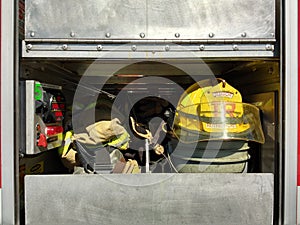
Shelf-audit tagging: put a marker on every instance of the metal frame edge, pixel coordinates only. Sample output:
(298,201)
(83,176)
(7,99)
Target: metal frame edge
(290,116)
(7,111)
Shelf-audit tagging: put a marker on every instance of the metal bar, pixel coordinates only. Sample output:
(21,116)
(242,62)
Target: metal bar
(9,212)
(30,117)
(145,51)
(134,47)
(290,107)
(145,55)
(188,41)
(298,205)
(147,156)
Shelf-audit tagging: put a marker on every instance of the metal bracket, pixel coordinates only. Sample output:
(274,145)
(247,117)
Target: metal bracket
(146,50)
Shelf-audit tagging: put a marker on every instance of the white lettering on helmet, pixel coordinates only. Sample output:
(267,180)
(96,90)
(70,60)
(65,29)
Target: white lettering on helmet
(221,126)
(222,94)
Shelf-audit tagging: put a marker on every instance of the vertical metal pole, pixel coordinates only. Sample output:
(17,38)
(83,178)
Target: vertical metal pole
(9,206)
(147,156)
(290,79)
(7,111)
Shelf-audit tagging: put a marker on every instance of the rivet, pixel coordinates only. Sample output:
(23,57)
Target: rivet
(272,35)
(142,35)
(72,34)
(133,48)
(211,35)
(32,34)
(99,47)
(201,47)
(167,48)
(269,47)
(235,47)
(64,47)
(177,35)
(29,46)
(244,34)
(107,35)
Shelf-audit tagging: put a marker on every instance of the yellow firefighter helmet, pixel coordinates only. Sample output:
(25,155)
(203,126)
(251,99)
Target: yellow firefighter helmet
(215,111)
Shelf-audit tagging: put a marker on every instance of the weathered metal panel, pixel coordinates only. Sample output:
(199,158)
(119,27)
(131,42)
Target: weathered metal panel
(211,19)
(91,19)
(155,19)
(150,199)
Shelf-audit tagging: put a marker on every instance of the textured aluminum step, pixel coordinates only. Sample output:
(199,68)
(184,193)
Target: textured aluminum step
(149,199)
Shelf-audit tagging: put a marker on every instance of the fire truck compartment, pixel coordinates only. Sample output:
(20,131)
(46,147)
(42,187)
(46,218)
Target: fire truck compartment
(135,59)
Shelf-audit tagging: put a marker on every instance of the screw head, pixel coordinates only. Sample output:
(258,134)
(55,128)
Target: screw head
(107,35)
(235,47)
(142,35)
(201,47)
(29,46)
(99,47)
(211,35)
(177,35)
(269,47)
(244,34)
(133,47)
(72,34)
(32,34)
(167,48)
(64,47)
